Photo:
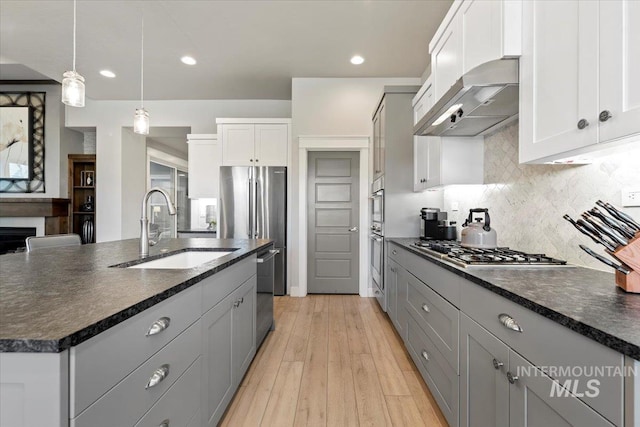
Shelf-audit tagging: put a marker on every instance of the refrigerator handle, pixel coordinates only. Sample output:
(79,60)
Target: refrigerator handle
(255,214)
(250,217)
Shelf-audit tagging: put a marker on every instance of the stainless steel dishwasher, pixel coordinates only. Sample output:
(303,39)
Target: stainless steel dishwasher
(264,300)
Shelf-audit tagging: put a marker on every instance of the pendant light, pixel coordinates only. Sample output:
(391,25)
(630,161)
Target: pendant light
(141,117)
(72,82)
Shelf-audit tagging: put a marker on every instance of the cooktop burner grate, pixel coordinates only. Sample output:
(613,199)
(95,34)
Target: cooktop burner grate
(453,251)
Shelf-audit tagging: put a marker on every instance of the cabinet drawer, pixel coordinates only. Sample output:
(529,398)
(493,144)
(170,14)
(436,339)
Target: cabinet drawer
(444,282)
(96,365)
(180,403)
(438,319)
(125,403)
(435,369)
(218,286)
(552,347)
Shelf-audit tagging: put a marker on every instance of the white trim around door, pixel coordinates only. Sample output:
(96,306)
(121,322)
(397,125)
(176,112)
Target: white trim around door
(332,143)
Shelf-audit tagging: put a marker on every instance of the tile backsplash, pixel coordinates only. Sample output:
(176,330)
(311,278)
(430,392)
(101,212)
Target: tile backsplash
(527,202)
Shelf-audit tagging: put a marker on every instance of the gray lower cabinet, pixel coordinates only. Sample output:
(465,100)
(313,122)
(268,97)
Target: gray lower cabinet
(484,374)
(531,402)
(391,285)
(228,337)
(484,387)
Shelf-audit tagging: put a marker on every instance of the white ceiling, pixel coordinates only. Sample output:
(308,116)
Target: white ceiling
(245,49)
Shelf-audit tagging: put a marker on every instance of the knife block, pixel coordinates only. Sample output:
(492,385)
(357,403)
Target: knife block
(630,255)
(629,282)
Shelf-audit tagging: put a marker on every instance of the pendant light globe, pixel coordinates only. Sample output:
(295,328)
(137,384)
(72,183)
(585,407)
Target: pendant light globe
(72,82)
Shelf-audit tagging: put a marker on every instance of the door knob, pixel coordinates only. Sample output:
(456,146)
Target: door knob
(605,115)
(353,229)
(582,123)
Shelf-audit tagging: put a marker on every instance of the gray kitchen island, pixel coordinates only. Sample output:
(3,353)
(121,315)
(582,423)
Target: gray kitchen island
(87,341)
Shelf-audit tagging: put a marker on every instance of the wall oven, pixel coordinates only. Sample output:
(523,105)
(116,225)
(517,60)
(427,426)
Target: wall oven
(376,242)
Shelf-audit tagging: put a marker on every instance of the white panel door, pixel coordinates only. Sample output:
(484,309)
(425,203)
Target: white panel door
(238,144)
(204,168)
(271,144)
(446,59)
(481,32)
(619,69)
(558,78)
(420,162)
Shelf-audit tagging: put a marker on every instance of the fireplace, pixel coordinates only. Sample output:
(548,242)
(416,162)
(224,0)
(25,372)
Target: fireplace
(12,239)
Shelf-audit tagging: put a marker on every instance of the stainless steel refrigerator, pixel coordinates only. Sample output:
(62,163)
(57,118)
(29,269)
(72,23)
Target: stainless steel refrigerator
(253,205)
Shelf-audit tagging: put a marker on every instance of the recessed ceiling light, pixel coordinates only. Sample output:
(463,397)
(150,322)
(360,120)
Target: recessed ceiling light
(188,60)
(357,60)
(108,73)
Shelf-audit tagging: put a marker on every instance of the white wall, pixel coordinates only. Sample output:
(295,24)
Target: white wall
(113,196)
(331,106)
(58,142)
(134,162)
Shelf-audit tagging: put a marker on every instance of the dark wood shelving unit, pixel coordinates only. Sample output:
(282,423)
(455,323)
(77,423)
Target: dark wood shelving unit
(79,165)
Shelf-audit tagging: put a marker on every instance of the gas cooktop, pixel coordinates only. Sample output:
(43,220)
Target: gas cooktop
(452,251)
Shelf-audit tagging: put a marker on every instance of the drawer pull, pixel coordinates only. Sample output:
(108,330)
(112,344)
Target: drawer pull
(394,252)
(165,423)
(497,364)
(425,355)
(425,307)
(158,376)
(509,322)
(158,326)
(393,270)
(512,379)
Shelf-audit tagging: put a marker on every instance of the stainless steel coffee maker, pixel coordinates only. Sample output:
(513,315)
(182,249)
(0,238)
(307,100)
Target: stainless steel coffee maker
(435,226)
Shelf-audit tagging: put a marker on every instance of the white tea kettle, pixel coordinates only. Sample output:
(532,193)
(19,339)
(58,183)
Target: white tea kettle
(479,234)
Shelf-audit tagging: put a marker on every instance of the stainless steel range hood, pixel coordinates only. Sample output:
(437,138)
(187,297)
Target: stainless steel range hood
(481,101)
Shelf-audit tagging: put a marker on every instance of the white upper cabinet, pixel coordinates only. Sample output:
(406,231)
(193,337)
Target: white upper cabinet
(579,77)
(619,69)
(205,157)
(472,33)
(446,59)
(423,101)
(263,142)
(439,161)
(271,144)
(238,144)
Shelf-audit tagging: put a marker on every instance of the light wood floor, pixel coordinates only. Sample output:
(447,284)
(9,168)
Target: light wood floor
(333,360)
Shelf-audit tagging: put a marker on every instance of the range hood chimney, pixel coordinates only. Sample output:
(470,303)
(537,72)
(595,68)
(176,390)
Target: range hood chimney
(479,102)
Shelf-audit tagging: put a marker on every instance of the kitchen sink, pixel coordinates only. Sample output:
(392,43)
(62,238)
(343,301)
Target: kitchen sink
(183,260)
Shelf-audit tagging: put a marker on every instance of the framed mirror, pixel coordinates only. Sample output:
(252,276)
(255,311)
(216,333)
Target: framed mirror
(22,142)
(16,142)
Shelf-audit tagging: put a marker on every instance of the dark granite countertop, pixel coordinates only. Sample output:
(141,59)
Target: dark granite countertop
(53,299)
(198,230)
(584,300)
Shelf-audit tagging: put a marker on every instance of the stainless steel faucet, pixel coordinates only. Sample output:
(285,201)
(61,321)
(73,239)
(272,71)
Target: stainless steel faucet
(144,220)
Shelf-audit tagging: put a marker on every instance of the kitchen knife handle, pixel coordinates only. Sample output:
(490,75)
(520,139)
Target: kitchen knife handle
(603,229)
(585,232)
(604,260)
(620,226)
(620,215)
(596,233)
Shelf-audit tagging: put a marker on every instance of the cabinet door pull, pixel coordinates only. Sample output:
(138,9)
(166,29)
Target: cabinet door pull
(251,160)
(509,322)
(425,307)
(605,115)
(512,379)
(582,123)
(236,303)
(165,423)
(497,364)
(425,355)
(158,326)
(158,376)
(394,252)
